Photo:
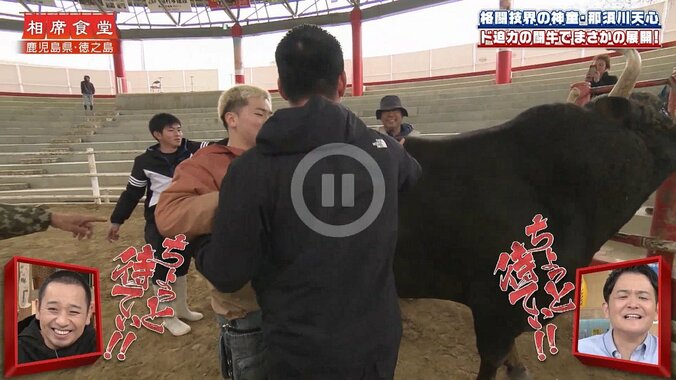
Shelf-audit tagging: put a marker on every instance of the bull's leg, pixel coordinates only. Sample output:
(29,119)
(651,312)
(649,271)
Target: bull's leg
(487,370)
(493,345)
(495,333)
(516,370)
(490,362)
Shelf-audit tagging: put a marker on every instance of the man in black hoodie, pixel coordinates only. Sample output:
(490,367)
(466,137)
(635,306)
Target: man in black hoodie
(61,326)
(321,264)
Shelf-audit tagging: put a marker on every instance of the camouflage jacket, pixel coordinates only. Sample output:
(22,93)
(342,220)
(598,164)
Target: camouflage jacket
(22,220)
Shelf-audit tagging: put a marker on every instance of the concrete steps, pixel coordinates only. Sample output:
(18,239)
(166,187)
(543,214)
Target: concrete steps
(66,180)
(212,135)
(54,134)
(21,172)
(71,167)
(110,193)
(77,146)
(40,160)
(13,186)
(66,159)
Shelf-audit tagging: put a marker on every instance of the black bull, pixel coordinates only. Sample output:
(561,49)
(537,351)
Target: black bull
(585,169)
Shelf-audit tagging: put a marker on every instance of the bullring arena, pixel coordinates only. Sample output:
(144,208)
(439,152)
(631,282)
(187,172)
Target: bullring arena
(438,340)
(53,153)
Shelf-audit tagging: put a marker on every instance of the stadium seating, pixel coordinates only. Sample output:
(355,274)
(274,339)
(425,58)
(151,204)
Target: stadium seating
(43,160)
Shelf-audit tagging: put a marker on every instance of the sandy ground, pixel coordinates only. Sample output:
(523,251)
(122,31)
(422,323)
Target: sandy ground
(438,340)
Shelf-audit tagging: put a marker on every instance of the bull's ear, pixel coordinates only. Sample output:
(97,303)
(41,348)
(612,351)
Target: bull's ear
(613,107)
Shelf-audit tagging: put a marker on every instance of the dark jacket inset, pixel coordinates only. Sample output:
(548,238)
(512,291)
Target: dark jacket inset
(32,345)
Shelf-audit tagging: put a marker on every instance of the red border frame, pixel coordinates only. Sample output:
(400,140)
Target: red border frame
(663,366)
(12,367)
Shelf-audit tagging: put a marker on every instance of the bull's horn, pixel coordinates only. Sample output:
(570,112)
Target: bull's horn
(628,78)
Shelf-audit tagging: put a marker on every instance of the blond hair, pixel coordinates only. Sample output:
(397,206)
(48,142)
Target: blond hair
(235,98)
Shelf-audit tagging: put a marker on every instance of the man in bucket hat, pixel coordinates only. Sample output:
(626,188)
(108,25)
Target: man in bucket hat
(391,113)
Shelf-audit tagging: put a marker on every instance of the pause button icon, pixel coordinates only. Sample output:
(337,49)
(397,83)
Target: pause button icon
(347,190)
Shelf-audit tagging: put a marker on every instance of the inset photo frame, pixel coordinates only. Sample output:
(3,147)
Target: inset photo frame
(623,318)
(52,316)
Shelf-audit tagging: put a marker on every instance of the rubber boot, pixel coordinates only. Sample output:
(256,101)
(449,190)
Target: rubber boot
(175,326)
(181,303)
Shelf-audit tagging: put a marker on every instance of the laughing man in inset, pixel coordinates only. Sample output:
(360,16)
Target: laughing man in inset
(61,326)
(630,296)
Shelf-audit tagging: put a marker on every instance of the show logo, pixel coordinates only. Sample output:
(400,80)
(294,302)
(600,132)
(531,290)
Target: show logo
(621,29)
(70,33)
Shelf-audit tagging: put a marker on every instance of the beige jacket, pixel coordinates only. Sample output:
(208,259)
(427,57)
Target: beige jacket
(188,206)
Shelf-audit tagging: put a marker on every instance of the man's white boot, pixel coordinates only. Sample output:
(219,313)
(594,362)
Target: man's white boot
(175,326)
(181,304)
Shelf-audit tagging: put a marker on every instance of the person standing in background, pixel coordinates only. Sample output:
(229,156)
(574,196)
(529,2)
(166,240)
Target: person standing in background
(87,90)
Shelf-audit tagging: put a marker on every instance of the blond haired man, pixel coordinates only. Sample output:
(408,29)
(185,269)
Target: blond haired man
(188,206)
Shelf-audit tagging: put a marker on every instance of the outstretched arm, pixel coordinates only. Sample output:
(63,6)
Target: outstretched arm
(24,220)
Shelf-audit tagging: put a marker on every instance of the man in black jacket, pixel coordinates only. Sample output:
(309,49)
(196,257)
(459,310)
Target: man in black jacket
(87,90)
(151,174)
(61,326)
(321,263)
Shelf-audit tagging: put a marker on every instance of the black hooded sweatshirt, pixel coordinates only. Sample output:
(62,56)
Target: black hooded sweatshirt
(32,345)
(329,303)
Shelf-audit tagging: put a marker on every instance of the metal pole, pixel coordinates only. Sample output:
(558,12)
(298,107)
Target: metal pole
(96,191)
(503,62)
(237,47)
(357,65)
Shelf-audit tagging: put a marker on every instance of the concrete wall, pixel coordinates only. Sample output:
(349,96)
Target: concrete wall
(168,101)
(59,80)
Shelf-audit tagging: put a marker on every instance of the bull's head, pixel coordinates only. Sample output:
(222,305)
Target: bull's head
(643,114)
(579,92)
(640,111)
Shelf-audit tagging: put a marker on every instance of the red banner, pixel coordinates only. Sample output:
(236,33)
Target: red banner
(218,4)
(70,33)
(64,26)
